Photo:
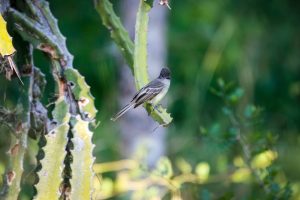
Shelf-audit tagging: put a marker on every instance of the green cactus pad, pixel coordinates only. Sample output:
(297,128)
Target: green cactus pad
(50,176)
(82,172)
(81,93)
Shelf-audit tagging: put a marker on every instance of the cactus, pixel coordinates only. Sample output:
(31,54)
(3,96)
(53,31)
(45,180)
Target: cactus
(20,125)
(68,134)
(82,152)
(82,94)
(18,147)
(54,152)
(82,176)
(117,31)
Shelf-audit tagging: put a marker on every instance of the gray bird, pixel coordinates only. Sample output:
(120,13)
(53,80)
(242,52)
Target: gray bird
(151,93)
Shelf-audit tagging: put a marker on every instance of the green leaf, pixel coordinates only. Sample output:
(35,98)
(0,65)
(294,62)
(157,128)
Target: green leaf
(236,95)
(264,159)
(241,175)
(202,170)
(183,166)
(164,168)
(221,83)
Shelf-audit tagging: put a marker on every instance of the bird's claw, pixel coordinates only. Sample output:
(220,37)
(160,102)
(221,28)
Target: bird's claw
(156,108)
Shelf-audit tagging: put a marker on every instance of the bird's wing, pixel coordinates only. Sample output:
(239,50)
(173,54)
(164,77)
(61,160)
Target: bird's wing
(148,92)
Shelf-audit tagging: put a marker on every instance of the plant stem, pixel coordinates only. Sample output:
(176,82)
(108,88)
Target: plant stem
(246,150)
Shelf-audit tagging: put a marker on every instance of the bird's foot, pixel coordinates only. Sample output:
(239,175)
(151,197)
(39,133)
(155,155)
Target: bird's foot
(156,108)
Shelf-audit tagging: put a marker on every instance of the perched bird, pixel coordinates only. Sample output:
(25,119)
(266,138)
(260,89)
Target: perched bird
(151,93)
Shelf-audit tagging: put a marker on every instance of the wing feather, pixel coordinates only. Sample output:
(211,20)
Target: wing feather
(148,92)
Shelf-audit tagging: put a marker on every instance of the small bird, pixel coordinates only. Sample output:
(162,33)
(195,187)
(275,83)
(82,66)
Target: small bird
(151,93)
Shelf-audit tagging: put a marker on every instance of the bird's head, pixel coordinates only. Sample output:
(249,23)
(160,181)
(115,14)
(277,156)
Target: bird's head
(165,73)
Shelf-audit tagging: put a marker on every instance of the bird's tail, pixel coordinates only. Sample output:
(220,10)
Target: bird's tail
(122,111)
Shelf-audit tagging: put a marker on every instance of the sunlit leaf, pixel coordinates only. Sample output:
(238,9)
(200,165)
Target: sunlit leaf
(107,187)
(241,175)
(238,161)
(264,159)
(183,166)
(151,193)
(202,170)
(122,182)
(164,168)
(6,46)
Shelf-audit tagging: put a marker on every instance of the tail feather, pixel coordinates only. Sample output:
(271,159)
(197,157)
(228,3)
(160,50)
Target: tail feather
(122,111)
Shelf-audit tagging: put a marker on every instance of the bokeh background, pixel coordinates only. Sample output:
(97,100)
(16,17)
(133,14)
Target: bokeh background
(253,45)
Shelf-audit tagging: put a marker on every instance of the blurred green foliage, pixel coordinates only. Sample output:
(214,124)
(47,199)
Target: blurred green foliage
(253,45)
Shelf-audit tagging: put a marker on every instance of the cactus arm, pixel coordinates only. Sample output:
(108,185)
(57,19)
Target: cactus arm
(117,31)
(82,176)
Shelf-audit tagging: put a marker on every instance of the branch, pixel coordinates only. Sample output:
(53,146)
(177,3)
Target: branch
(246,149)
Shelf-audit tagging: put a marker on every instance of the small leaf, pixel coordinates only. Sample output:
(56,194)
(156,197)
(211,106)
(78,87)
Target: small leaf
(236,95)
(107,187)
(164,168)
(238,161)
(183,166)
(241,175)
(202,170)
(122,182)
(221,82)
(6,46)
(264,159)
(215,92)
